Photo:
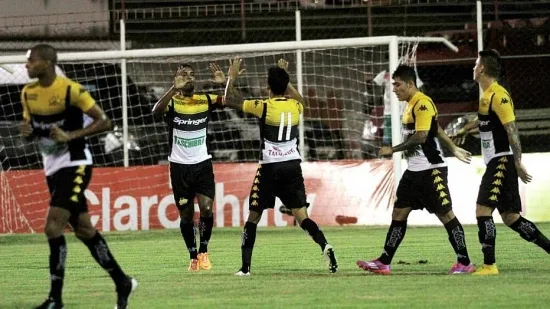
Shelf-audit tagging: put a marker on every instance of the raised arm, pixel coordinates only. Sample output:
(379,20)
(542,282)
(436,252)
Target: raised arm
(160,107)
(292,92)
(234,98)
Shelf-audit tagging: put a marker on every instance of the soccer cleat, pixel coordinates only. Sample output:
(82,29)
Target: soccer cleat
(204,261)
(240,273)
(332,264)
(50,303)
(123,292)
(487,270)
(459,268)
(193,265)
(375,266)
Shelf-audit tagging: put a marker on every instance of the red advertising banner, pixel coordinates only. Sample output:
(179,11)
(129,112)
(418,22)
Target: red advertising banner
(140,198)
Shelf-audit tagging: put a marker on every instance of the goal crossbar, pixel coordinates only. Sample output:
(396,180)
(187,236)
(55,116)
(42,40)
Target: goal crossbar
(234,48)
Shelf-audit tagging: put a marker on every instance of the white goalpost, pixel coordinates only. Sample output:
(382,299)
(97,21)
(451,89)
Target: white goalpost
(330,74)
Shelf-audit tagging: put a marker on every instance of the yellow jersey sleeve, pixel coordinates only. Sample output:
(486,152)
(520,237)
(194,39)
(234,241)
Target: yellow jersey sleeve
(424,111)
(254,107)
(81,98)
(26,112)
(503,106)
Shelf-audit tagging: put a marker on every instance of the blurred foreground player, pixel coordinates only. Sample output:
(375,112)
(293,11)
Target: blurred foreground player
(59,114)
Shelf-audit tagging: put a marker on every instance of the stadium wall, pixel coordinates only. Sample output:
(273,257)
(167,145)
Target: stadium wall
(339,193)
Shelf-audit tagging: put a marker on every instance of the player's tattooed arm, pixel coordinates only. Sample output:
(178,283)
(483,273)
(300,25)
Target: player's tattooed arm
(513,140)
(416,139)
(234,98)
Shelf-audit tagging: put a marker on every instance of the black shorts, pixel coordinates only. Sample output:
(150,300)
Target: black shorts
(499,185)
(191,179)
(283,180)
(425,189)
(67,187)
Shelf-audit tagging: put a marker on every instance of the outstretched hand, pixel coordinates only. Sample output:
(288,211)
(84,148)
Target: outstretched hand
(179,81)
(283,64)
(235,68)
(218,76)
(463,155)
(522,173)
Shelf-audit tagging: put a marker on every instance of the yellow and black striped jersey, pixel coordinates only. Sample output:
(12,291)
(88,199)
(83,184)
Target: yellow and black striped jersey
(279,120)
(496,109)
(421,115)
(64,104)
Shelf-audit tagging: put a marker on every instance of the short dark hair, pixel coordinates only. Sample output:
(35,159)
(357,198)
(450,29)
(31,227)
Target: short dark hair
(46,52)
(278,80)
(186,65)
(490,59)
(405,73)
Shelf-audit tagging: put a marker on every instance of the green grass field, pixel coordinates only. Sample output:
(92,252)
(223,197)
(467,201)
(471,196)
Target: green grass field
(287,272)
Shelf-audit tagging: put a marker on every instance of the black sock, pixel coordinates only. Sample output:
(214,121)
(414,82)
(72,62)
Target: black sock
(188,232)
(58,256)
(247,245)
(529,231)
(458,241)
(487,236)
(103,256)
(205,232)
(313,229)
(395,235)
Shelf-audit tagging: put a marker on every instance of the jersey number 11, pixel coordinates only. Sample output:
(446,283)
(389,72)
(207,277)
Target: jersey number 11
(282,127)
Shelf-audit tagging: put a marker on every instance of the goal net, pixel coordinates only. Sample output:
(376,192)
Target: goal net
(345,83)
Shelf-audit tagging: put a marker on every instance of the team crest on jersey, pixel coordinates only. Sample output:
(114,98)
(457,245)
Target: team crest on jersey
(55,101)
(484,102)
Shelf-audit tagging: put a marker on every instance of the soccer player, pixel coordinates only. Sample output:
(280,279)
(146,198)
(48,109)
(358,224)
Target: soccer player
(424,183)
(191,171)
(501,149)
(59,114)
(279,173)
